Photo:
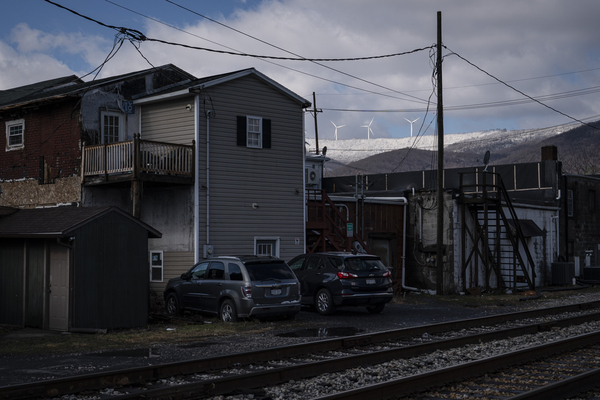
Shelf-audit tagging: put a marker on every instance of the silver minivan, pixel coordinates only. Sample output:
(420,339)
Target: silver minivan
(236,287)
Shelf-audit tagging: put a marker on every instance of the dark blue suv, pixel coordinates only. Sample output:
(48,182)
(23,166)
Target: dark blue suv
(330,280)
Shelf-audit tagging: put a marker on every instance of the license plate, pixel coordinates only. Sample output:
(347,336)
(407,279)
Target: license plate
(370,281)
(275,292)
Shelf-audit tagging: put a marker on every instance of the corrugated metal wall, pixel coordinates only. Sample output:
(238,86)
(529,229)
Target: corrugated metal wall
(110,274)
(35,293)
(12,261)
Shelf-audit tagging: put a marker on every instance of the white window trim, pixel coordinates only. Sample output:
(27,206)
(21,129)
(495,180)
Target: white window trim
(10,124)
(260,133)
(161,266)
(121,117)
(275,239)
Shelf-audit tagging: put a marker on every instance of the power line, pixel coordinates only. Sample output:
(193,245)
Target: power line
(518,91)
(139,36)
(316,61)
(117,44)
(264,60)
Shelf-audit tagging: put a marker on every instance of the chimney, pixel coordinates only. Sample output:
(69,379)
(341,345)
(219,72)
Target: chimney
(549,153)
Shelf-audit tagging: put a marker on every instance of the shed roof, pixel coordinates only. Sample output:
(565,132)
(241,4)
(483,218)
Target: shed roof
(57,221)
(528,227)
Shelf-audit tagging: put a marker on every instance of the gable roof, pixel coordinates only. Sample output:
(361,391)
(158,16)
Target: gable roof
(72,86)
(57,221)
(203,83)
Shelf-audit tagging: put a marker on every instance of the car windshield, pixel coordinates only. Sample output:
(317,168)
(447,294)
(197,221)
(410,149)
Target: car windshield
(363,264)
(269,271)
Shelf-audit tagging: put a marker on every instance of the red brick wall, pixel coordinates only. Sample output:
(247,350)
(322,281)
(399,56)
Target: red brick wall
(51,131)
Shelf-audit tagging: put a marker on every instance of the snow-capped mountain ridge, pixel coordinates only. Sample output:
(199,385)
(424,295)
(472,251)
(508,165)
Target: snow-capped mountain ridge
(350,150)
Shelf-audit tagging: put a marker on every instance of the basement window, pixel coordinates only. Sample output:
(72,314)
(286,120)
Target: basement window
(15,131)
(266,246)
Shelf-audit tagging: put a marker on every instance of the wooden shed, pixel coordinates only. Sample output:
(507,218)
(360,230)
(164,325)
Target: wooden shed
(73,269)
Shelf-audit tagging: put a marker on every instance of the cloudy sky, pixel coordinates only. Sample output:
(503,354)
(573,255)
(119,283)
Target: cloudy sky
(547,50)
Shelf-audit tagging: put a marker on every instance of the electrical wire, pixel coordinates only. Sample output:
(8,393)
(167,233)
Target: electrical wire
(117,44)
(519,91)
(315,61)
(264,60)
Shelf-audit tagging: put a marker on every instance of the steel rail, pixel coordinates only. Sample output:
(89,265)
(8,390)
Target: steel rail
(224,386)
(408,386)
(131,376)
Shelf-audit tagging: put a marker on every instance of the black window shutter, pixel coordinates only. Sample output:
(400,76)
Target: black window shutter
(266,140)
(241,131)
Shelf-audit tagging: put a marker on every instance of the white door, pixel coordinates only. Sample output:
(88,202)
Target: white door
(59,288)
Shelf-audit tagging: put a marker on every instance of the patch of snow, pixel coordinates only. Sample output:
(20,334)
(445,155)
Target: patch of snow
(350,150)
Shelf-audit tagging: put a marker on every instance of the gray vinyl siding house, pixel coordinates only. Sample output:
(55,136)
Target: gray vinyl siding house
(246,199)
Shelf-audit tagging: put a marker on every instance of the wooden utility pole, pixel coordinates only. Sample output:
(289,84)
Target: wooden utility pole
(440,168)
(315,111)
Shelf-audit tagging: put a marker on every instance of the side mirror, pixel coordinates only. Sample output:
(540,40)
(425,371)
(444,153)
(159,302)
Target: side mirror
(186,276)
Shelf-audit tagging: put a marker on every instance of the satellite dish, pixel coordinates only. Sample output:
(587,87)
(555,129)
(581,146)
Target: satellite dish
(486,160)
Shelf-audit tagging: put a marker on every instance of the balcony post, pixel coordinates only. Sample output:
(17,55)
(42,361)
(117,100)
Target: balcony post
(136,183)
(105,162)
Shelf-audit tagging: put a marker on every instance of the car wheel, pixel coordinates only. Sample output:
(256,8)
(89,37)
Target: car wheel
(324,302)
(376,309)
(172,305)
(227,312)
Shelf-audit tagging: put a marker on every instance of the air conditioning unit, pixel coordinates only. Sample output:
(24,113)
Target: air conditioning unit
(312,176)
(563,273)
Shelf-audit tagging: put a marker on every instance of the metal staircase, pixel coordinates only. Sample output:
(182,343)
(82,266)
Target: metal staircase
(326,225)
(492,239)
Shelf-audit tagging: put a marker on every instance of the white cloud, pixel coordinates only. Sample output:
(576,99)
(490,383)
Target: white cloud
(513,40)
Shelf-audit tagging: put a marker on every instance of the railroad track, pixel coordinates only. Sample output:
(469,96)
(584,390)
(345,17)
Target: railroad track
(245,371)
(537,373)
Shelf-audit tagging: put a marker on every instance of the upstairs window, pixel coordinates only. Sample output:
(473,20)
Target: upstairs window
(111,126)
(15,131)
(254,132)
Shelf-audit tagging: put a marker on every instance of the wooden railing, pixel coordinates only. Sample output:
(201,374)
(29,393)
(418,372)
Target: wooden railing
(138,156)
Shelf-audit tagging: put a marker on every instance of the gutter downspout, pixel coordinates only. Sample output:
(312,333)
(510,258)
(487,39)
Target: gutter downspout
(197,180)
(208,114)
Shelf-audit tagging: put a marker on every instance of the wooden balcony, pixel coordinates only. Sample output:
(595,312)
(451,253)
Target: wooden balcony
(138,160)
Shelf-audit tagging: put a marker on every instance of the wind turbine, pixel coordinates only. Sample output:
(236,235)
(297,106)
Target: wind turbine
(411,123)
(336,128)
(369,130)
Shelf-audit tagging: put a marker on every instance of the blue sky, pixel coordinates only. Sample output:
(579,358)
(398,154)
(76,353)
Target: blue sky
(546,49)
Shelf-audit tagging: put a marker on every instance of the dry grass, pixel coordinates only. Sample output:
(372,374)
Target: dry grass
(172,332)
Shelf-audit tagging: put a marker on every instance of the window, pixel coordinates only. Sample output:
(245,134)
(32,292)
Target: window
(254,132)
(266,246)
(235,272)
(111,127)
(15,131)
(216,271)
(199,271)
(254,129)
(156,266)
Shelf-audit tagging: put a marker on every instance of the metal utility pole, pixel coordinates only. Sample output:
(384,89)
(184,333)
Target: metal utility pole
(315,111)
(440,168)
